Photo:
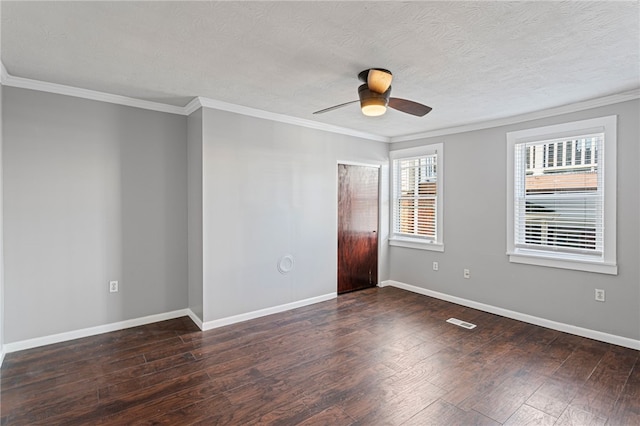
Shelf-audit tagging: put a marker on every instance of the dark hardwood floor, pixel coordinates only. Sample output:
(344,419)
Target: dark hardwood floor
(374,357)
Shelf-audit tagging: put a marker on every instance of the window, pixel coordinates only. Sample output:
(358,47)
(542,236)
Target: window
(561,196)
(416,210)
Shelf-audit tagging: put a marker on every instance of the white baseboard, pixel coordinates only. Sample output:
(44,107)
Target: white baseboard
(554,325)
(195,318)
(208,325)
(92,331)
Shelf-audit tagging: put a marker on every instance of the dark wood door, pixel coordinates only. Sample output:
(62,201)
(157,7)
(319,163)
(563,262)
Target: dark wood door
(357,227)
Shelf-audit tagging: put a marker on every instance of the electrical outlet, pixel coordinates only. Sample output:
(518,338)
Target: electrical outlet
(113,286)
(599,295)
(466,273)
(435,266)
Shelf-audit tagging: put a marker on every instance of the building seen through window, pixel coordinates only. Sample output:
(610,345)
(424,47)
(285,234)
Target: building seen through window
(561,193)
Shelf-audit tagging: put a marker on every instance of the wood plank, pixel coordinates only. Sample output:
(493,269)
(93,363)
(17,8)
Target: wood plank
(627,407)
(527,415)
(443,413)
(575,417)
(553,396)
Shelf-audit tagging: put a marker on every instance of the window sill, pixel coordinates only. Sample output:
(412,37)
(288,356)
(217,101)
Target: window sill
(532,258)
(416,244)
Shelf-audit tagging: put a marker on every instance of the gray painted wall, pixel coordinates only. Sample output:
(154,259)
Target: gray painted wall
(270,189)
(194,192)
(93,192)
(475,235)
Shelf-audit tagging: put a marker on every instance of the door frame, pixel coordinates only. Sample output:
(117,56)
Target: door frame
(383,213)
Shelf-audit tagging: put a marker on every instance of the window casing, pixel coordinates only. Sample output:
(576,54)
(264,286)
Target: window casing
(561,196)
(416,198)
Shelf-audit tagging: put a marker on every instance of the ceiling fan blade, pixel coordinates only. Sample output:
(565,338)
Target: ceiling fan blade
(410,107)
(322,111)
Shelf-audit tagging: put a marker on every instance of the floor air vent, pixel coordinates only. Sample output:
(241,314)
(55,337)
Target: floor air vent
(461,323)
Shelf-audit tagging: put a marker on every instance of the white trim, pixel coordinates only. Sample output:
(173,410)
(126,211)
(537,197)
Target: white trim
(552,112)
(542,257)
(416,243)
(355,163)
(92,331)
(542,322)
(416,151)
(61,89)
(202,102)
(121,325)
(573,264)
(2,356)
(208,325)
(192,106)
(198,102)
(258,113)
(409,242)
(195,318)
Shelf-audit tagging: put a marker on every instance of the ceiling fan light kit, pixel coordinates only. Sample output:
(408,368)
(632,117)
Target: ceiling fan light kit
(372,103)
(375,94)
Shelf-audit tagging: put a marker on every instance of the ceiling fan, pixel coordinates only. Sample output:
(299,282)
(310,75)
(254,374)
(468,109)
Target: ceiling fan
(375,96)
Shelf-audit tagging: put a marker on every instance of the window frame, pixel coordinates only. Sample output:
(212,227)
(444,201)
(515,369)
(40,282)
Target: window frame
(606,263)
(417,242)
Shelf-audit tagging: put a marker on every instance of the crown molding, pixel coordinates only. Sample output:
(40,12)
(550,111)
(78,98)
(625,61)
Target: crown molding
(61,89)
(565,109)
(281,118)
(198,102)
(192,106)
(7,79)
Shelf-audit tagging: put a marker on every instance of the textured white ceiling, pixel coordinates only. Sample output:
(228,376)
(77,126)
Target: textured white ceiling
(470,61)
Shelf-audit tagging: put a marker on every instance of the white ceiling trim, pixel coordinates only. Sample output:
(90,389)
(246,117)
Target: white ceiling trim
(565,109)
(61,89)
(192,106)
(258,113)
(7,79)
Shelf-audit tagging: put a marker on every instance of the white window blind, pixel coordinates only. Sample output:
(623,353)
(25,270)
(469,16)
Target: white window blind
(415,197)
(559,195)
